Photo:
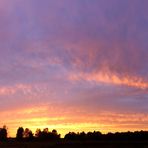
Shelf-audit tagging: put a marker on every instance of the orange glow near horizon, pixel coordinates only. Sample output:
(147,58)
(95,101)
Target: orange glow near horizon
(41,117)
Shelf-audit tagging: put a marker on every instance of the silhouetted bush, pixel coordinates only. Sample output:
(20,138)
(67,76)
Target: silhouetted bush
(3,133)
(20,133)
(24,134)
(123,136)
(28,135)
(82,136)
(46,135)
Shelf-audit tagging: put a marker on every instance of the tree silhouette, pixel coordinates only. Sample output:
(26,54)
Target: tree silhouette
(3,133)
(38,133)
(55,134)
(28,134)
(46,135)
(24,134)
(20,133)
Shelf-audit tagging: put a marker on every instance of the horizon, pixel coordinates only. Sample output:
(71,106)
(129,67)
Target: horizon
(62,135)
(76,65)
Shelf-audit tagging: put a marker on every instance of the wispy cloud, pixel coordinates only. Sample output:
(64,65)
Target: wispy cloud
(109,78)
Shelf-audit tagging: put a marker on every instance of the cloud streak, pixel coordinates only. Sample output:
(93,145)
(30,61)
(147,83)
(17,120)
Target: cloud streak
(109,78)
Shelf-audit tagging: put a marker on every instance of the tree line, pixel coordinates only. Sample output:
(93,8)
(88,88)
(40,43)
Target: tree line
(26,134)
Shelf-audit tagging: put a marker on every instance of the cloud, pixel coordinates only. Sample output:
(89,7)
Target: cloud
(11,90)
(83,39)
(109,78)
(87,56)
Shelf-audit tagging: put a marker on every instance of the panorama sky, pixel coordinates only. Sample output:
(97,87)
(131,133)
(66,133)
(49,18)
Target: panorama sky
(74,65)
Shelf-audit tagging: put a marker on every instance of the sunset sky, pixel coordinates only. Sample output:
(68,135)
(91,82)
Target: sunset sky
(74,65)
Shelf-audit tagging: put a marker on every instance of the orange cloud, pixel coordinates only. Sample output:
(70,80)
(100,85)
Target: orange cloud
(110,78)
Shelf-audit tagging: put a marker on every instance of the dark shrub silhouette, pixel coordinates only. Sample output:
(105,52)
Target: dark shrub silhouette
(24,134)
(46,135)
(84,136)
(123,136)
(20,133)
(3,133)
(71,136)
(28,134)
(38,132)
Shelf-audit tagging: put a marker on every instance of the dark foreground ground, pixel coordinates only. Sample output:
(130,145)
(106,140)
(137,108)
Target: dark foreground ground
(78,144)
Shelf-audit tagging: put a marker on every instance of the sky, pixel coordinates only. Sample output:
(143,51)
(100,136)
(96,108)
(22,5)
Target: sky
(74,65)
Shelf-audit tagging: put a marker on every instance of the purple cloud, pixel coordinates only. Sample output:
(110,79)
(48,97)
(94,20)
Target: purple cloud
(101,45)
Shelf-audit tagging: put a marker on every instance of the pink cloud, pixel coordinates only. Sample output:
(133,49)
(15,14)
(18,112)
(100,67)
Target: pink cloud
(110,78)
